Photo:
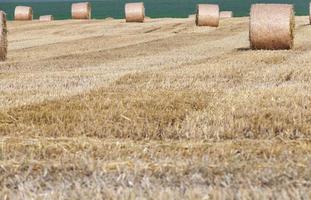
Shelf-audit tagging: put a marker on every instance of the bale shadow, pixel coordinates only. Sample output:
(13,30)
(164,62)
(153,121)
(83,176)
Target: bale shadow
(300,27)
(303,25)
(243,49)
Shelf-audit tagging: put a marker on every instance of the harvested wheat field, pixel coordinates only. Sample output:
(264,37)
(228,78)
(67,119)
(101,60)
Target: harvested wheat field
(161,109)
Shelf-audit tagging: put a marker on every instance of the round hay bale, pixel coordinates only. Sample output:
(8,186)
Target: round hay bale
(207,15)
(81,10)
(23,13)
(272,26)
(135,12)
(46,18)
(109,18)
(3,36)
(226,14)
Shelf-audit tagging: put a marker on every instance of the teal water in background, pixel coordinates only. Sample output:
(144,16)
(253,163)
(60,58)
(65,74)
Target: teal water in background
(61,9)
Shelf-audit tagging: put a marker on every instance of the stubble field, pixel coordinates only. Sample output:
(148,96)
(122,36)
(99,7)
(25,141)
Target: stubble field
(163,110)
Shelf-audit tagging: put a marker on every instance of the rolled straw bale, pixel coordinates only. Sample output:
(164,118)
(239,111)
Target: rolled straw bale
(109,18)
(3,36)
(135,12)
(81,10)
(192,16)
(272,26)
(207,15)
(226,14)
(46,18)
(23,13)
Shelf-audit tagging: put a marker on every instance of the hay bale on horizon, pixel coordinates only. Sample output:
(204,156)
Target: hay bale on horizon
(272,26)
(226,14)
(3,36)
(134,12)
(23,13)
(46,18)
(207,15)
(109,18)
(81,10)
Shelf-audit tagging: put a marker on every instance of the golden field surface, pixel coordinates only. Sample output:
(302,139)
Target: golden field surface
(162,110)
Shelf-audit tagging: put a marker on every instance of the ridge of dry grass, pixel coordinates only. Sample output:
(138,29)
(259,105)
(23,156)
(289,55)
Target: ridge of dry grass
(126,112)
(106,113)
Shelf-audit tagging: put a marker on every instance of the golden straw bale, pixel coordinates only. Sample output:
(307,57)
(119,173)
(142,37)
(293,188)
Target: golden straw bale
(135,12)
(46,18)
(81,10)
(226,14)
(192,16)
(23,13)
(109,18)
(207,15)
(272,26)
(3,36)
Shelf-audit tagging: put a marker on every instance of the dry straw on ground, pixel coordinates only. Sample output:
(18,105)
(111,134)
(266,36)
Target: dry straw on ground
(135,12)
(157,110)
(272,26)
(81,10)
(46,18)
(226,14)
(3,36)
(23,13)
(207,15)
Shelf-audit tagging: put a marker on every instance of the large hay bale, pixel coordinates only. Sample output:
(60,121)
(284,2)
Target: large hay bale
(46,18)
(23,13)
(226,14)
(135,12)
(207,15)
(272,26)
(81,10)
(3,36)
